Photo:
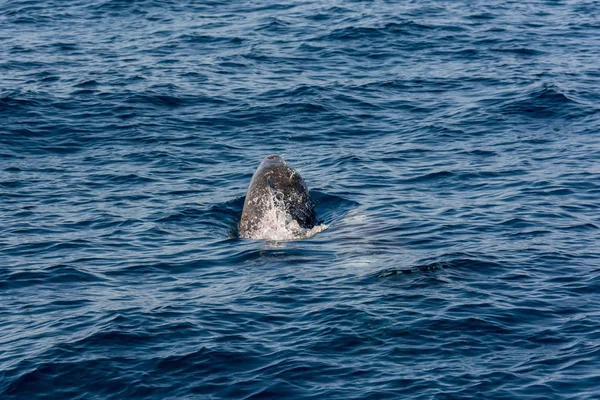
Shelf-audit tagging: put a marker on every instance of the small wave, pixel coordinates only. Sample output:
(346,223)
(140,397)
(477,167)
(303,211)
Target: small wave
(545,101)
(331,208)
(113,179)
(302,107)
(57,274)
(157,100)
(484,16)
(16,100)
(432,176)
(522,51)
(209,39)
(362,32)
(220,219)
(582,227)
(87,83)
(274,24)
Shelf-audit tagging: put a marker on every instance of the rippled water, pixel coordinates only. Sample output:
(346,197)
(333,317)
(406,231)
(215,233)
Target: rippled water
(452,147)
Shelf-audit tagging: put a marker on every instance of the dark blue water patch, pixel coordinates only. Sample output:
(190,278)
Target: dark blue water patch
(224,217)
(57,274)
(14,101)
(87,83)
(543,102)
(331,208)
(521,51)
(366,33)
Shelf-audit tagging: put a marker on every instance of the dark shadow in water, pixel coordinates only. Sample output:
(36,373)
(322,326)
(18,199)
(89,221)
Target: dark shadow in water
(331,208)
(411,270)
(436,266)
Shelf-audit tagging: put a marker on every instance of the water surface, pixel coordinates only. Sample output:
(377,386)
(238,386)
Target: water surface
(451,147)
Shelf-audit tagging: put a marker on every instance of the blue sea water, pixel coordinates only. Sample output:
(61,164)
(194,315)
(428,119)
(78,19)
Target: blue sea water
(452,147)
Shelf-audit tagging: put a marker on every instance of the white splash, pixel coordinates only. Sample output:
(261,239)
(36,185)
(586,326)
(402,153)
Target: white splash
(277,223)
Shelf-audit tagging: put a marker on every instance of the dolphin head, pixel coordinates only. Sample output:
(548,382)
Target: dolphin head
(271,161)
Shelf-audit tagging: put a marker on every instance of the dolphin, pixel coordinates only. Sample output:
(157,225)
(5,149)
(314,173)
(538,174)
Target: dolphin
(277,200)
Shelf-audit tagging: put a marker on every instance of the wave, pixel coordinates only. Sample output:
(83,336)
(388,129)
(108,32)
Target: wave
(542,101)
(54,275)
(368,32)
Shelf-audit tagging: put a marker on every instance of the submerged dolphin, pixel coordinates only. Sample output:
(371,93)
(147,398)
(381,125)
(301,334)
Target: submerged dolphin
(277,200)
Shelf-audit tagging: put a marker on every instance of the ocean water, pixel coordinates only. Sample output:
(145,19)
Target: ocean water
(452,148)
